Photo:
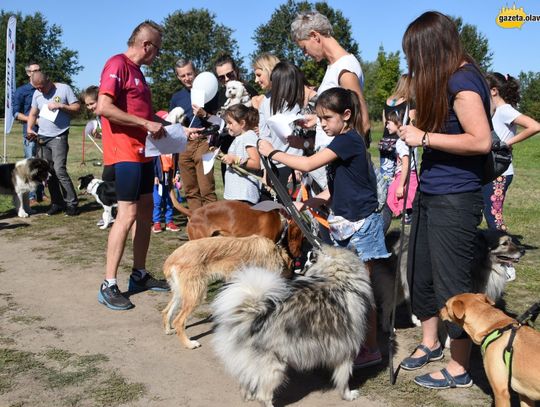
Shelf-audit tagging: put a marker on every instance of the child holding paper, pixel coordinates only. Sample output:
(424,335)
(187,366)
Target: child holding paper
(241,122)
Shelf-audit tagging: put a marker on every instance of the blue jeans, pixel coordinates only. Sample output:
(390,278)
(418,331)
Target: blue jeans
(162,205)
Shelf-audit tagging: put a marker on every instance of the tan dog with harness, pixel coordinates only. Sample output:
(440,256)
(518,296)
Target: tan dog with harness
(511,351)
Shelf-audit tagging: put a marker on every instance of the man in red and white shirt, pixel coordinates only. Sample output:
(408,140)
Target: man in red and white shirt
(125,107)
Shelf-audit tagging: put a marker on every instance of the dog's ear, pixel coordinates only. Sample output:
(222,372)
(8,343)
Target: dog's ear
(458,309)
(486,299)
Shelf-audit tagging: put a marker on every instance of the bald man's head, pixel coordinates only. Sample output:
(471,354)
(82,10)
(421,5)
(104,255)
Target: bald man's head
(40,81)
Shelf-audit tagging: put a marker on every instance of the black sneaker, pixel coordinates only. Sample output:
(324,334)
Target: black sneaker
(111,297)
(147,283)
(72,211)
(54,209)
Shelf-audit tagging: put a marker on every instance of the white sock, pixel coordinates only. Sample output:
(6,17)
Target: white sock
(110,281)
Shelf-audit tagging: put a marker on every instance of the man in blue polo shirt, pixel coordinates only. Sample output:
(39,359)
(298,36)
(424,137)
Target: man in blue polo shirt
(200,188)
(22,102)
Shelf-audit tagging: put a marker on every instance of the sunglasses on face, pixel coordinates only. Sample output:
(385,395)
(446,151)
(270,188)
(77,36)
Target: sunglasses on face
(229,75)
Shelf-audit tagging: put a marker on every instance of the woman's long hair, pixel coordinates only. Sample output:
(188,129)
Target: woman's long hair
(434,52)
(287,87)
(403,88)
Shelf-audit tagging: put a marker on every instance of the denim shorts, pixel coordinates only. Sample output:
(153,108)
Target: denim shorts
(133,180)
(368,241)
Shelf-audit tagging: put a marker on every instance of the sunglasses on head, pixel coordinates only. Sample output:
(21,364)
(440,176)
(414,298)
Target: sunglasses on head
(229,75)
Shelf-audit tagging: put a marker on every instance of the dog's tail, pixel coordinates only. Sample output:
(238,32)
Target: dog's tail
(179,207)
(246,302)
(240,312)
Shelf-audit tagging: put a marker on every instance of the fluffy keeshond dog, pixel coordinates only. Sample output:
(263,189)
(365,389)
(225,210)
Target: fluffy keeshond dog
(264,323)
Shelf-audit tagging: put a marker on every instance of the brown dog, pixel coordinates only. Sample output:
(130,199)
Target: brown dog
(193,265)
(476,314)
(235,218)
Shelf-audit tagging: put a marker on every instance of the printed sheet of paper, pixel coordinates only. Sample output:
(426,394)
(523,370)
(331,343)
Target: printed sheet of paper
(174,142)
(280,124)
(208,160)
(47,113)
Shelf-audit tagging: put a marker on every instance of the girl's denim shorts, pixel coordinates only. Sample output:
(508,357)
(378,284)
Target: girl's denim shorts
(368,241)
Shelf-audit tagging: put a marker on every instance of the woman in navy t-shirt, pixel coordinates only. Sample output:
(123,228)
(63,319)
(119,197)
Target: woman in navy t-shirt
(452,103)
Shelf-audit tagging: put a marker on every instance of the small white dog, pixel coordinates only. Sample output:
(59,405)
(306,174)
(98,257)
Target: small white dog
(176,115)
(236,93)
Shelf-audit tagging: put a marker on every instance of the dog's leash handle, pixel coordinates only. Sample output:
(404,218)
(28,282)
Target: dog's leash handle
(530,315)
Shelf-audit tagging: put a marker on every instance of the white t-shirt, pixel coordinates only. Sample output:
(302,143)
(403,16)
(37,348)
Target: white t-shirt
(239,187)
(266,134)
(402,150)
(331,80)
(503,124)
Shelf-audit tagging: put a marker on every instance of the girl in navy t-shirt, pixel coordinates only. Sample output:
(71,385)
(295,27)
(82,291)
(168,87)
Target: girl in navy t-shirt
(352,192)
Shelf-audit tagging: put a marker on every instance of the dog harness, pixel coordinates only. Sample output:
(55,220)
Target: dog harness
(508,350)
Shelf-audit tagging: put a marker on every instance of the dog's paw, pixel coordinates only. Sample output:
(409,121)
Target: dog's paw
(169,331)
(247,395)
(22,213)
(415,320)
(193,345)
(103,227)
(351,395)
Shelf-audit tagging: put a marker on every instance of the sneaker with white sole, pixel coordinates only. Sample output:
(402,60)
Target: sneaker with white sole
(171,227)
(112,298)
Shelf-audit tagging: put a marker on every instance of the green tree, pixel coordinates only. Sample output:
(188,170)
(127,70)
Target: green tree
(530,94)
(40,42)
(274,36)
(381,77)
(192,35)
(475,43)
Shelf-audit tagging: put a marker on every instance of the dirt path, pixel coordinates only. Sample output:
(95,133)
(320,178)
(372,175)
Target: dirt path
(59,347)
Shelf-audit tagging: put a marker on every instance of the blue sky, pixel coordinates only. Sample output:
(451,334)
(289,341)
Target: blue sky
(99,29)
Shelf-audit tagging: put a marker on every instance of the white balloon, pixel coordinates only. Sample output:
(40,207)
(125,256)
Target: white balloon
(208,82)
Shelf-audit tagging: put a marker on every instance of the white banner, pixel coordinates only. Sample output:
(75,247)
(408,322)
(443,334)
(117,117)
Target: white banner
(10,80)
(10,73)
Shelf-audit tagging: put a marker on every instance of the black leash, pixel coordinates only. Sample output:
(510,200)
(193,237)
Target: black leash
(283,195)
(530,314)
(392,338)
